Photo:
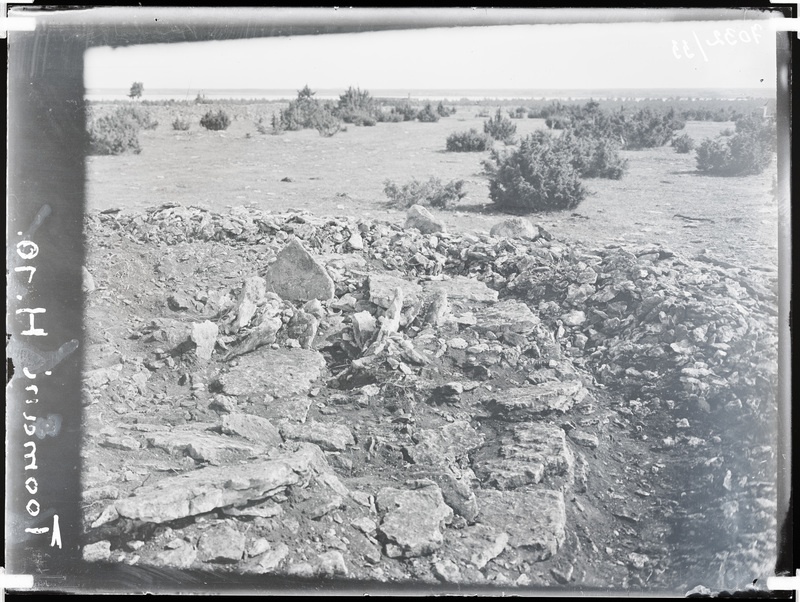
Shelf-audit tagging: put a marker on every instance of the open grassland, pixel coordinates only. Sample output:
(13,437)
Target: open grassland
(735,218)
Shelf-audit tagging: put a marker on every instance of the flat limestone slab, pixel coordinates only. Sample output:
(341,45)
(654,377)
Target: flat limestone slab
(445,445)
(506,316)
(266,373)
(413,519)
(382,287)
(205,489)
(535,519)
(529,453)
(203,446)
(461,288)
(535,400)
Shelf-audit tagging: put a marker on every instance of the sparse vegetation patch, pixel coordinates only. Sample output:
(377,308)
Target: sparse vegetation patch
(433,193)
(468,142)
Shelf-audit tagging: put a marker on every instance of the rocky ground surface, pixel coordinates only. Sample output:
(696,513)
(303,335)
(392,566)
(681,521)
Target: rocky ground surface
(290,395)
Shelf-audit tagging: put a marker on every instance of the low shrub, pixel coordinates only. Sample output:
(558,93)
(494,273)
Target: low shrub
(500,128)
(468,142)
(537,176)
(408,112)
(683,144)
(595,157)
(300,114)
(180,124)
(215,121)
(261,127)
(727,132)
(518,113)
(432,193)
(427,114)
(647,128)
(326,123)
(357,106)
(390,117)
(749,151)
(444,111)
(557,122)
(114,134)
(142,117)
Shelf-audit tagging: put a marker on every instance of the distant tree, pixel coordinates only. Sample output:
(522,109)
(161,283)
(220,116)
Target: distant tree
(305,93)
(136,90)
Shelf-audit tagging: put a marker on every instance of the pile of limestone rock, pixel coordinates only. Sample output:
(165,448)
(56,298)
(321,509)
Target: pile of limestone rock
(393,403)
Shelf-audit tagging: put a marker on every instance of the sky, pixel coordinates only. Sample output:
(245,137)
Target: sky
(727,54)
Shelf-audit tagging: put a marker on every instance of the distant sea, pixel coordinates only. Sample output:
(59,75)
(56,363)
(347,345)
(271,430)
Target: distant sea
(449,95)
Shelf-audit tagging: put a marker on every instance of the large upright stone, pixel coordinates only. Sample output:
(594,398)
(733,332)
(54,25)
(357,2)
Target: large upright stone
(423,220)
(535,519)
(515,227)
(297,276)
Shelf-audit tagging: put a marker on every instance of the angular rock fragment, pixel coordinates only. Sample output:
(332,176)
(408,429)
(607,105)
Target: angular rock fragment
(264,333)
(447,571)
(535,400)
(331,563)
(269,561)
(382,289)
(528,454)
(87,283)
(423,220)
(448,393)
(182,556)
(179,302)
(297,276)
(412,519)
(254,290)
(221,543)
(94,379)
(535,519)
(456,490)
(96,552)
(330,437)
(574,318)
(583,438)
(204,336)
(303,327)
(506,316)
(437,310)
(364,326)
(475,544)
(206,489)
(515,227)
